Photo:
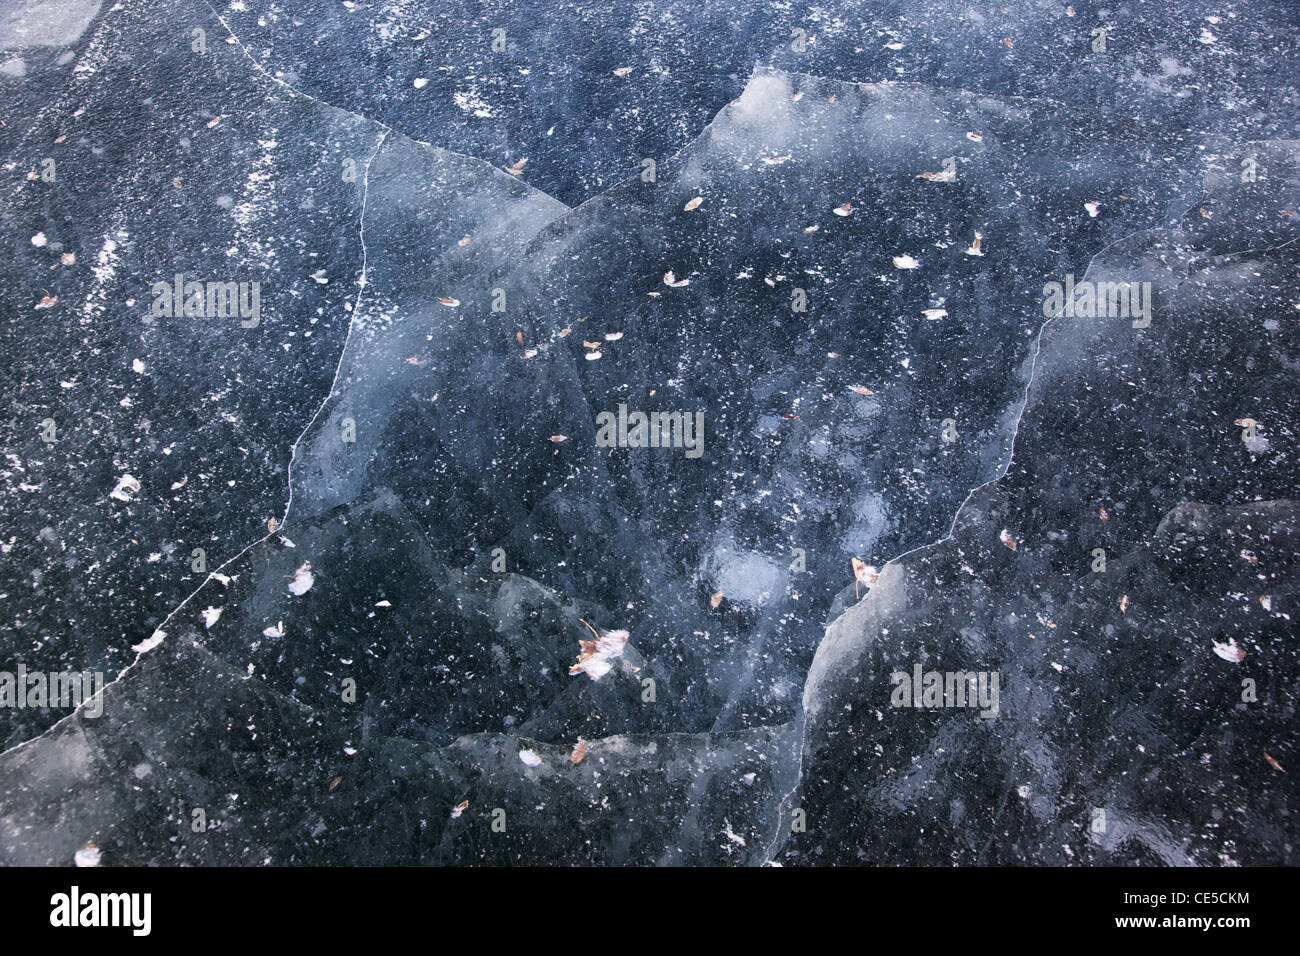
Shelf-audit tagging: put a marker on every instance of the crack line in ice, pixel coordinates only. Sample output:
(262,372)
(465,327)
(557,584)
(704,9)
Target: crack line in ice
(352,325)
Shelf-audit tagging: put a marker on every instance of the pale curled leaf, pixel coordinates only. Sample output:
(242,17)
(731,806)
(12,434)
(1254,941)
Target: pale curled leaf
(864,573)
(1230,651)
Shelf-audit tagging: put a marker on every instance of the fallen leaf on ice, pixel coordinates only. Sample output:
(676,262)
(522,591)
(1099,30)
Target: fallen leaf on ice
(845,210)
(810,229)
(934,314)
(579,751)
(47,302)
(693,204)
(715,600)
(1271,762)
(623,71)
(974,249)
(1123,604)
(947,176)
(89,855)
(559,438)
(595,657)
(464,241)
(672,280)
(864,573)
(776,160)
(334,783)
(517,168)
(275,630)
(1005,538)
(591,345)
(271,525)
(127,488)
(459,808)
(530,353)
(1103,514)
(1230,651)
(303,579)
(452,303)
(861,391)
(68,258)
(975,137)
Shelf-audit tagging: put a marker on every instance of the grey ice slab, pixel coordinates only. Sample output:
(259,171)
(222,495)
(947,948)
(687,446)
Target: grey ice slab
(192,762)
(437,226)
(431,652)
(549,92)
(1143,625)
(797,458)
(30,23)
(161,161)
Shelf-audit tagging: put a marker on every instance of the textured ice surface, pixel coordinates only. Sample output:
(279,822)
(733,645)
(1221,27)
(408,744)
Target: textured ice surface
(214,162)
(1113,700)
(551,94)
(462,265)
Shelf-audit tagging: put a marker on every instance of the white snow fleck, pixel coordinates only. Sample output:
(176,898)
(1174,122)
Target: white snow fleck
(149,643)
